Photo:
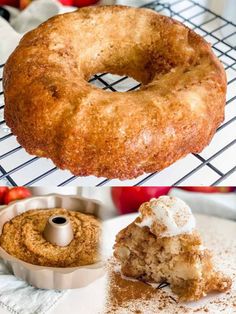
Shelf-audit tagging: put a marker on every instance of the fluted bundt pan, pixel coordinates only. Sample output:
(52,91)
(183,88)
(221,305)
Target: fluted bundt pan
(52,277)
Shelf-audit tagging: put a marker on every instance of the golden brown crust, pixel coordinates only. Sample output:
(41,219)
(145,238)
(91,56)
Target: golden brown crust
(23,238)
(55,113)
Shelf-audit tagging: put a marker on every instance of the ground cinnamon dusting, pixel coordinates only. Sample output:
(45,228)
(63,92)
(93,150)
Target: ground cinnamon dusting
(122,290)
(129,296)
(126,296)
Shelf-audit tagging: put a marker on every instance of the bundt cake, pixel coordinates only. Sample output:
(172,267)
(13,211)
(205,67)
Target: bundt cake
(56,113)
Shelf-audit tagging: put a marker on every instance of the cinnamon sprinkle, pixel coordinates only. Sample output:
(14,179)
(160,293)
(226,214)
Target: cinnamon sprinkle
(128,296)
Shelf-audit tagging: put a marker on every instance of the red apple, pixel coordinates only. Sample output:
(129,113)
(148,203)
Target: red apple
(128,199)
(24,4)
(3,191)
(16,193)
(83,3)
(209,189)
(67,2)
(12,3)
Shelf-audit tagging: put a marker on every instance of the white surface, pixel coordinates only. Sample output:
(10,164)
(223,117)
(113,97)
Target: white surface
(211,229)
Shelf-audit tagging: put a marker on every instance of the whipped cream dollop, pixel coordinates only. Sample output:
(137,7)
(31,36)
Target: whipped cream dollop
(166,216)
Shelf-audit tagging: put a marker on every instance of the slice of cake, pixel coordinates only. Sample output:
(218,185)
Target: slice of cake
(162,245)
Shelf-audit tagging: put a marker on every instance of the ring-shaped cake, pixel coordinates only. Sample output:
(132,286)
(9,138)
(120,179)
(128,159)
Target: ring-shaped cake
(56,113)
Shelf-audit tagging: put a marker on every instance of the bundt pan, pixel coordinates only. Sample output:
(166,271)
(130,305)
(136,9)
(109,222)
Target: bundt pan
(52,277)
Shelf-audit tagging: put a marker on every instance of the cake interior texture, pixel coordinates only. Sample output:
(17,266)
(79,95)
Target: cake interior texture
(181,261)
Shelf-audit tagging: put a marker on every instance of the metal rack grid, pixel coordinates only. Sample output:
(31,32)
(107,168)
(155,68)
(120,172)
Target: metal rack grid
(216,165)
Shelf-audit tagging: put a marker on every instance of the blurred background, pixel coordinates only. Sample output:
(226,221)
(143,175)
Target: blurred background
(215,201)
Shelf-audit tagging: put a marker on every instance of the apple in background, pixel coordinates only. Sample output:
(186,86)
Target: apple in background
(12,3)
(128,199)
(3,191)
(67,2)
(83,3)
(209,189)
(16,193)
(22,4)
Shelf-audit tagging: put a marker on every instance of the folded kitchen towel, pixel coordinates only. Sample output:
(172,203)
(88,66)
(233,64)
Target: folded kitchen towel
(18,297)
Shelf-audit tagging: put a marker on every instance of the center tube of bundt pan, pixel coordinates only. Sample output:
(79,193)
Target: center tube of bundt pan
(58,230)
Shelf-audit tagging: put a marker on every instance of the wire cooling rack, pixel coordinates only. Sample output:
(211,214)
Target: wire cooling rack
(216,165)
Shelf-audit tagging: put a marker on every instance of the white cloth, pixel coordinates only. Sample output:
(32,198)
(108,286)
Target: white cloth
(9,39)
(214,204)
(20,298)
(23,21)
(36,13)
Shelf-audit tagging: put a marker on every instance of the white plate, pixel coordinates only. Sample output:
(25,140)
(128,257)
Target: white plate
(219,235)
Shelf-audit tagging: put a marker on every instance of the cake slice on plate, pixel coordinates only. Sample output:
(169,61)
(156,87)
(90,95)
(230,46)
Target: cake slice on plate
(163,245)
